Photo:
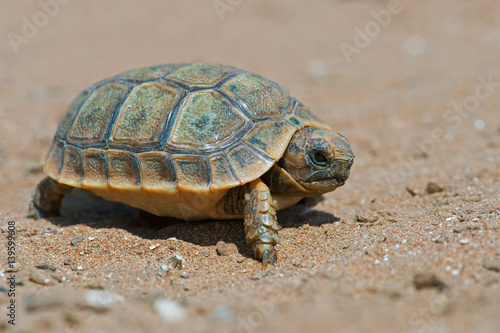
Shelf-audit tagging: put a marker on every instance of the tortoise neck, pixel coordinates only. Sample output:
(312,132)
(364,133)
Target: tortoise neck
(281,182)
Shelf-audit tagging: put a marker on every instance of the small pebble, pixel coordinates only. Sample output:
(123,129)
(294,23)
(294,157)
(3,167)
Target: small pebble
(69,261)
(46,267)
(492,266)
(363,218)
(40,278)
(13,267)
(433,188)
(239,260)
(161,273)
(428,280)
(95,284)
(223,313)
(175,261)
(58,278)
(462,228)
(170,311)
(411,191)
(187,276)
(222,249)
(100,301)
(464,241)
(75,241)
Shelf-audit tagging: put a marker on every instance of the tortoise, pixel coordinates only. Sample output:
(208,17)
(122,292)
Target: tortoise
(194,141)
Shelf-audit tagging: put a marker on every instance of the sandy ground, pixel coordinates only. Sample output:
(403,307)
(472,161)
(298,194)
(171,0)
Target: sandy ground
(411,243)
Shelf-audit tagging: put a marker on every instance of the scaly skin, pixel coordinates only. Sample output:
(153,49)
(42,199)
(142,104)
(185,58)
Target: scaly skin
(261,226)
(46,198)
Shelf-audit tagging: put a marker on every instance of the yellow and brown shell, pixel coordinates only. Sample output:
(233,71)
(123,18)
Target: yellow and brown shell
(162,136)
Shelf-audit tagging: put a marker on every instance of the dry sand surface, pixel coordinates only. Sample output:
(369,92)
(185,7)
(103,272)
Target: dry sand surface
(411,243)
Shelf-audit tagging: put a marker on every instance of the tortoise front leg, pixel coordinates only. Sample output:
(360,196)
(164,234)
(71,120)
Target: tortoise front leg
(46,198)
(261,226)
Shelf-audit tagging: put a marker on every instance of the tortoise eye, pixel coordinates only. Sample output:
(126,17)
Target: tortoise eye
(319,158)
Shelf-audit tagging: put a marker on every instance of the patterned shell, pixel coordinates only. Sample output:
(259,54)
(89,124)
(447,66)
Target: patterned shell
(169,127)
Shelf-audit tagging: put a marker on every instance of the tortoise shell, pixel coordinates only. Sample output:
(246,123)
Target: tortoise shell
(172,130)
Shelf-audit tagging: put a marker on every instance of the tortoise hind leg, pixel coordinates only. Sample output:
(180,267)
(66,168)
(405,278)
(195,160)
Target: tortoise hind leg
(261,226)
(46,198)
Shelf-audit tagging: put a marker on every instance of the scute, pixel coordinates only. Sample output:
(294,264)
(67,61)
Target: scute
(95,115)
(201,75)
(206,120)
(270,137)
(123,169)
(94,168)
(222,173)
(144,114)
(157,172)
(71,172)
(149,73)
(247,163)
(55,159)
(263,98)
(192,172)
(73,109)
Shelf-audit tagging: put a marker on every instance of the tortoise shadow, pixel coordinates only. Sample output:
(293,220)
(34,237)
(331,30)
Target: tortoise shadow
(80,207)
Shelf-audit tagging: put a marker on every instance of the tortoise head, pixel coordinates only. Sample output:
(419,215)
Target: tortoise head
(316,161)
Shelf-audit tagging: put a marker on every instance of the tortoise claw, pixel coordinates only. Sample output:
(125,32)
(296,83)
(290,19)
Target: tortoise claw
(269,257)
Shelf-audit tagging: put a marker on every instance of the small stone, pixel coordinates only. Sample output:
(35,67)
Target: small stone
(75,241)
(433,188)
(464,241)
(187,275)
(363,218)
(161,273)
(163,270)
(96,285)
(46,267)
(223,313)
(175,261)
(69,261)
(96,244)
(240,259)
(222,249)
(428,280)
(169,311)
(411,191)
(462,228)
(13,267)
(100,301)
(58,278)
(40,278)
(492,266)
